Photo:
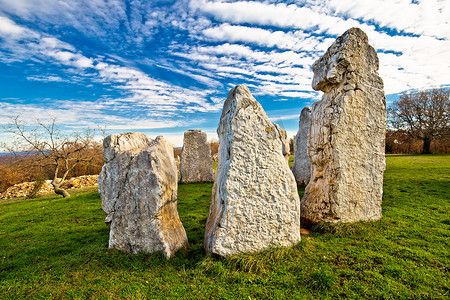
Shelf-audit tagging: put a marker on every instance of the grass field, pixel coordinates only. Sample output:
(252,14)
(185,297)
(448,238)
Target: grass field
(56,248)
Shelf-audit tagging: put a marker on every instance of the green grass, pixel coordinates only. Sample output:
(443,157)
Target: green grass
(56,248)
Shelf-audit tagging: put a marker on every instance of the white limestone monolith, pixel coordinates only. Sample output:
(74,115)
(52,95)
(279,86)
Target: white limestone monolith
(196,162)
(284,143)
(346,139)
(138,186)
(301,167)
(255,203)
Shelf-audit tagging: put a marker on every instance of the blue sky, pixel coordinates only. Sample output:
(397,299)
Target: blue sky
(163,67)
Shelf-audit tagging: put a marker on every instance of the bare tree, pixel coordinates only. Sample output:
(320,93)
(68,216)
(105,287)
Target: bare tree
(48,147)
(214,145)
(424,115)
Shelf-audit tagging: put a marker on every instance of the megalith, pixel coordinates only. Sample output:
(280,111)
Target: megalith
(138,186)
(284,142)
(302,166)
(346,139)
(254,204)
(196,162)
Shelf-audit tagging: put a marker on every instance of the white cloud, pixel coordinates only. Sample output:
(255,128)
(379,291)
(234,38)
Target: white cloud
(73,116)
(430,17)
(269,47)
(301,95)
(153,93)
(278,15)
(81,114)
(130,124)
(295,40)
(49,43)
(147,103)
(122,24)
(70,59)
(407,44)
(269,73)
(46,78)
(144,90)
(419,60)
(31,112)
(285,117)
(9,28)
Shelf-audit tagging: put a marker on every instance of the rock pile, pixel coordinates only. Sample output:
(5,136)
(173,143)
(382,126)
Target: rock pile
(196,163)
(255,204)
(80,182)
(302,166)
(346,140)
(138,187)
(24,189)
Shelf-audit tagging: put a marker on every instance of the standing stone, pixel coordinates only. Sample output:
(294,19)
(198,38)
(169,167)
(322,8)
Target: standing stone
(196,163)
(255,204)
(285,143)
(346,140)
(138,187)
(302,166)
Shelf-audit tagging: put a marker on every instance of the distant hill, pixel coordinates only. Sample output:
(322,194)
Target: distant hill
(6,154)
(3,154)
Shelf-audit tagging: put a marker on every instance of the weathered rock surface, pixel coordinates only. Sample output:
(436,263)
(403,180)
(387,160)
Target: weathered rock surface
(302,166)
(196,163)
(284,143)
(346,140)
(80,182)
(255,204)
(138,187)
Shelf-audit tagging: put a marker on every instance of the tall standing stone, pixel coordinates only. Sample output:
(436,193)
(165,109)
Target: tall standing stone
(138,187)
(302,166)
(196,162)
(346,141)
(284,142)
(255,204)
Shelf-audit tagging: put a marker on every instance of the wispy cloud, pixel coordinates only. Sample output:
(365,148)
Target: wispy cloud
(418,62)
(431,17)
(10,29)
(277,15)
(118,24)
(294,40)
(46,78)
(82,114)
(277,73)
(140,89)
(151,64)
